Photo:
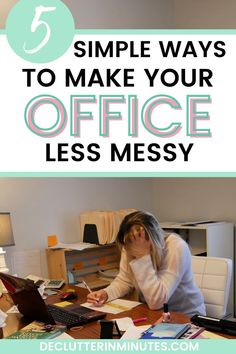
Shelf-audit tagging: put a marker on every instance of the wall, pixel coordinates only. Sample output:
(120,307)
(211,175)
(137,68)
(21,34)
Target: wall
(205,13)
(181,199)
(113,13)
(40,207)
(122,13)
(5,7)
(146,14)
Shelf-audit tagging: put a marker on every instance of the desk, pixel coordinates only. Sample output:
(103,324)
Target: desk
(90,330)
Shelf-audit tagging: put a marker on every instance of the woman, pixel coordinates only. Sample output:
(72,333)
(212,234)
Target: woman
(158,265)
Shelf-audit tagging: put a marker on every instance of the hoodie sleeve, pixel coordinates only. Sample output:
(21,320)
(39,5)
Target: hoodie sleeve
(158,287)
(122,284)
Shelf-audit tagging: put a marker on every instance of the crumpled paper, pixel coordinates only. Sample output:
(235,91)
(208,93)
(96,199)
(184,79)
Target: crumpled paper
(3,317)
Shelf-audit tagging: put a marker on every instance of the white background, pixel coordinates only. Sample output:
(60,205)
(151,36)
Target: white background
(23,151)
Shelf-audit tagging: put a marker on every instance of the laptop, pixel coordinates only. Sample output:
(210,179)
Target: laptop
(29,302)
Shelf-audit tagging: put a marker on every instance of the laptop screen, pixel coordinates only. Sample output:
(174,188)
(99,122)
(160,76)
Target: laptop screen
(26,297)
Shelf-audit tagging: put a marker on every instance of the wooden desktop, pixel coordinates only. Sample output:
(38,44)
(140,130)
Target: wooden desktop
(90,330)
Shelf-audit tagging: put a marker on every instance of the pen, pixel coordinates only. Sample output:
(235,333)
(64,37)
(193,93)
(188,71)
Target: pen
(88,288)
(141,319)
(86,285)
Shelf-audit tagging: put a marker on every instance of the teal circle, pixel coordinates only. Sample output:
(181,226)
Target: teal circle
(53,26)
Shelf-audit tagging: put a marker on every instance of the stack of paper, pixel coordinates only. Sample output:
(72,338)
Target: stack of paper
(100,219)
(118,216)
(107,223)
(79,246)
(109,273)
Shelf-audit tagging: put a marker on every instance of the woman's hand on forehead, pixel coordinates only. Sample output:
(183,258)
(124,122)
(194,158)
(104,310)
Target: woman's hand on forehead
(137,243)
(136,231)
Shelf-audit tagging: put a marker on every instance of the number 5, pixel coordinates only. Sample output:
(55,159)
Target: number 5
(39,10)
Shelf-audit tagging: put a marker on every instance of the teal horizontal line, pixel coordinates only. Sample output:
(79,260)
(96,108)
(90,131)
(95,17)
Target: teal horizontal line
(119,174)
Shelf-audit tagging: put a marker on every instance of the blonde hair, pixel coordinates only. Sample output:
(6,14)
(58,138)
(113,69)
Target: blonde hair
(152,229)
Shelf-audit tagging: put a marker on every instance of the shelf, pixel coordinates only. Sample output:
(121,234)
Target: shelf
(202,225)
(198,251)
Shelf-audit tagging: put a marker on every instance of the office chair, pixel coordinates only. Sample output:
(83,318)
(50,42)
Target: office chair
(213,276)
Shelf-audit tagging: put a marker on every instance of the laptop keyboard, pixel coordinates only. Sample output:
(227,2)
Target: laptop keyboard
(65,317)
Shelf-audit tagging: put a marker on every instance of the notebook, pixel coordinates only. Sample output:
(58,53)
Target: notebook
(37,330)
(165,331)
(192,332)
(26,297)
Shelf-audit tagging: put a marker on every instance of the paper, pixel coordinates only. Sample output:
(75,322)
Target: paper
(50,292)
(41,289)
(209,335)
(115,306)
(63,303)
(124,323)
(13,309)
(3,317)
(134,332)
(52,240)
(63,336)
(109,273)
(79,246)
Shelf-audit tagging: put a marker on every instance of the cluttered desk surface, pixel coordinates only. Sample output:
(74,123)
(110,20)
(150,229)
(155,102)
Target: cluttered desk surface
(141,313)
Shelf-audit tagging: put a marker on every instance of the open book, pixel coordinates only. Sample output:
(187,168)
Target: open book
(38,330)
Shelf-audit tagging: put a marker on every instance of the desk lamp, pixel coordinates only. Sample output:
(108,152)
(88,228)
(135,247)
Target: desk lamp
(6,239)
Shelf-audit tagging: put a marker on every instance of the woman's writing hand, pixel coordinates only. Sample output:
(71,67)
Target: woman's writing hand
(137,243)
(97,298)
